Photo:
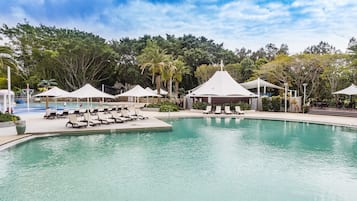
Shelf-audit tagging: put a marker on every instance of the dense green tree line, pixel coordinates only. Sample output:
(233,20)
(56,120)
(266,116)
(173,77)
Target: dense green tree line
(74,57)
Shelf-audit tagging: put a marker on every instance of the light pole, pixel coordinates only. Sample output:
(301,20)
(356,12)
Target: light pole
(285,96)
(305,84)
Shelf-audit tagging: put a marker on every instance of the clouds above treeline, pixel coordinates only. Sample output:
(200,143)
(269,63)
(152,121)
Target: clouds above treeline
(240,23)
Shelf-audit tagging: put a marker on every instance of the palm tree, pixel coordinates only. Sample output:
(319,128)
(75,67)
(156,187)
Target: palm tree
(47,84)
(180,70)
(153,58)
(6,58)
(168,72)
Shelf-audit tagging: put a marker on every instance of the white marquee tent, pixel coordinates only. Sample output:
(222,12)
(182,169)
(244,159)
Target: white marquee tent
(87,91)
(162,91)
(351,90)
(3,98)
(54,92)
(221,84)
(137,91)
(258,83)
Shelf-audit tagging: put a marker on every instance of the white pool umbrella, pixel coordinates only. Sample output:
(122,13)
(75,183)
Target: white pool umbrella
(87,91)
(351,90)
(53,92)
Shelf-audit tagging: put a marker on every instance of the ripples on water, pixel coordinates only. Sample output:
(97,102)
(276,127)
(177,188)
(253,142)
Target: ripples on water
(201,159)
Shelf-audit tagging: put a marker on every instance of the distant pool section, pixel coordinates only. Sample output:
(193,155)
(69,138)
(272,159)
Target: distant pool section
(200,159)
(40,107)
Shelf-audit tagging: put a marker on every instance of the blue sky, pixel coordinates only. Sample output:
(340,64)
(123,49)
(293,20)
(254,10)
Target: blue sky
(236,23)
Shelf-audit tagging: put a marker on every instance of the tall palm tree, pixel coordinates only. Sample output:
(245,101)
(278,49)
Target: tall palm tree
(47,84)
(180,70)
(6,58)
(168,72)
(153,58)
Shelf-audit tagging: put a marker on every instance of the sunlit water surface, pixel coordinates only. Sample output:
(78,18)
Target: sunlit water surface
(201,159)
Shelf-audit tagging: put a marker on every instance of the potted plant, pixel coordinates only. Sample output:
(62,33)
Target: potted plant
(20,124)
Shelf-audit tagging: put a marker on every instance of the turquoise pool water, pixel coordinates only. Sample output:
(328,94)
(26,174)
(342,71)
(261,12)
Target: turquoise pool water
(201,159)
(40,107)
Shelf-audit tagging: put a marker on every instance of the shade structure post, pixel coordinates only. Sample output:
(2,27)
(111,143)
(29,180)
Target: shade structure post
(285,97)
(305,84)
(28,97)
(103,92)
(9,88)
(5,105)
(258,87)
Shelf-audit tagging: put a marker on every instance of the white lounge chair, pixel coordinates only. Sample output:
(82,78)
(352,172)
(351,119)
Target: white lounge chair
(227,109)
(208,109)
(88,118)
(104,118)
(139,115)
(117,118)
(50,114)
(218,110)
(73,121)
(238,110)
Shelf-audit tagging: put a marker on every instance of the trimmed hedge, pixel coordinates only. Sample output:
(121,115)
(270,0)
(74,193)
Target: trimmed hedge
(266,104)
(199,105)
(8,117)
(275,102)
(165,106)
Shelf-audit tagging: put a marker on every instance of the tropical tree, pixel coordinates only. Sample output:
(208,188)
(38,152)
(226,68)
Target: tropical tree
(168,72)
(153,58)
(180,70)
(204,72)
(6,60)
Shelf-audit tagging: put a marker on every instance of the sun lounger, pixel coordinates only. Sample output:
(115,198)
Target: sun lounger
(227,109)
(208,109)
(237,110)
(62,114)
(50,114)
(88,118)
(117,118)
(104,119)
(125,113)
(218,110)
(140,116)
(73,121)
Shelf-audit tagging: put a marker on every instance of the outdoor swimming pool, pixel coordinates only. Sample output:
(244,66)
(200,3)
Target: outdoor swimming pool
(200,159)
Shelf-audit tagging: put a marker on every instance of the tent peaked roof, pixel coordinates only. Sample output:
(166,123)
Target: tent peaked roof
(221,84)
(137,91)
(88,91)
(351,90)
(162,91)
(254,84)
(55,91)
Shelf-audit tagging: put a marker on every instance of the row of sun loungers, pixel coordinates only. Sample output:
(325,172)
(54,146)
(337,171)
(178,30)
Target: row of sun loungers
(52,113)
(100,118)
(227,110)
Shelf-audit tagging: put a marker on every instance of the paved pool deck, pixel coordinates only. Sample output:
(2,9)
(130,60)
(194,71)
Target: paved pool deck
(37,126)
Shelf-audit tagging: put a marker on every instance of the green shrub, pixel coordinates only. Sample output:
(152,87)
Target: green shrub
(8,117)
(275,102)
(154,105)
(266,104)
(199,105)
(243,106)
(168,108)
(306,108)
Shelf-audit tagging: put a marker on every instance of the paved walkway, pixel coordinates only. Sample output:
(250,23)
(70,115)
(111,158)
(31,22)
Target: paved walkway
(36,125)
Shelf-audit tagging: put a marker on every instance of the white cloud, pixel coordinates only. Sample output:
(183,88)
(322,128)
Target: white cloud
(237,23)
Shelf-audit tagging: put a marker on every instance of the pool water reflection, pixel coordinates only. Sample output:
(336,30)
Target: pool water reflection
(201,159)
